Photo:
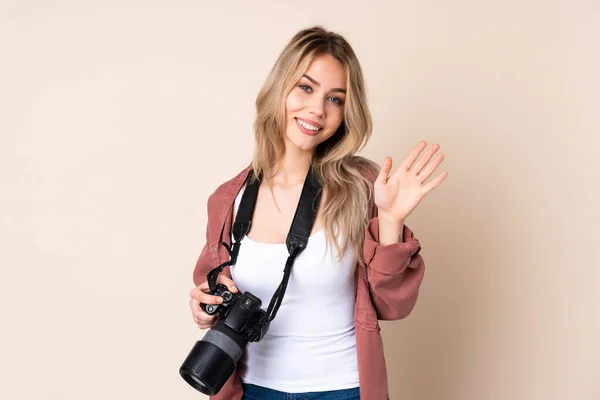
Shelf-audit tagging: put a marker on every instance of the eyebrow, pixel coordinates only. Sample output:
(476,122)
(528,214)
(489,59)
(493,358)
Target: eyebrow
(341,90)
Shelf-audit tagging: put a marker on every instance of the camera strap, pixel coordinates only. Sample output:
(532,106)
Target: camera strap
(296,240)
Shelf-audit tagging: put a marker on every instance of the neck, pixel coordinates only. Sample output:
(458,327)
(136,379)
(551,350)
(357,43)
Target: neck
(293,167)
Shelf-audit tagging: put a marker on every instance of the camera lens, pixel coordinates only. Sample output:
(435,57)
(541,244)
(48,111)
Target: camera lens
(201,386)
(213,359)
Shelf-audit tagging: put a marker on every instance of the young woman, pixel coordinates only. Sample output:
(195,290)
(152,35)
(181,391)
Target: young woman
(361,264)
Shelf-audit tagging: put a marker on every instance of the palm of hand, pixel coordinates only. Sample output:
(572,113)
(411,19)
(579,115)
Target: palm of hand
(397,195)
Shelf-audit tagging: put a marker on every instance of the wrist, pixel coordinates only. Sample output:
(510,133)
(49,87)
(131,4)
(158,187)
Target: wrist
(382,215)
(390,229)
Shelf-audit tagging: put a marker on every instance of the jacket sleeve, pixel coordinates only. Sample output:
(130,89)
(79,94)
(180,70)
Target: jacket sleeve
(206,260)
(394,272)
(209,256)
(203,264)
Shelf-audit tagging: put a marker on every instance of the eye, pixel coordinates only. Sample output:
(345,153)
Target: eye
(306,88)
(336,100)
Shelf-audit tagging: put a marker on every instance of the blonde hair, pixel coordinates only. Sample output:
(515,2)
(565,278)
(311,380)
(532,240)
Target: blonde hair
(347,178)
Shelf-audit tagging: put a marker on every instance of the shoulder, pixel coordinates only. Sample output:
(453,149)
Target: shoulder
(228,188)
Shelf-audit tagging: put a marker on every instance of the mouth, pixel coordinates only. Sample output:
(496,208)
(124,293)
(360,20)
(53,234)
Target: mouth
(308,128)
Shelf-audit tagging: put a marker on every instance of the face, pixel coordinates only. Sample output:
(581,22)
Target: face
(315,106)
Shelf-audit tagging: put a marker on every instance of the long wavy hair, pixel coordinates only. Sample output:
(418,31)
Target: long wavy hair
(346,177)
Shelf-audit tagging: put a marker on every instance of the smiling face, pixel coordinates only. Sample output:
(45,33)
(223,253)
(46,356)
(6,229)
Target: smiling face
(315,106)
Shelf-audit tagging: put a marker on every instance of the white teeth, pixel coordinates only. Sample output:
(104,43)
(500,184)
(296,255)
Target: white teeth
(308,126)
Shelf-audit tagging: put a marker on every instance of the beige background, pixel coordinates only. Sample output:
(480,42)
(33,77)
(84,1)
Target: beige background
(119,118)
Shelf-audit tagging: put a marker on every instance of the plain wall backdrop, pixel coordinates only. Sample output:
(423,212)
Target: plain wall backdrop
(114,116)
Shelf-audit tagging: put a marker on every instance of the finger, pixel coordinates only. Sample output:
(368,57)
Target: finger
(205,298)
(205,325)
(196,310)
(205,322)
(203,287)
(385,170)
(198,313)
(412,156)
(227,282)
(430,169)
(199,316)
(424,158)
(435,182)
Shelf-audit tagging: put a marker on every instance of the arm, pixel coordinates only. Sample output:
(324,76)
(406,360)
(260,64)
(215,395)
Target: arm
(204,263)
(395,271)
(390,231)
(394,267)
(209,256)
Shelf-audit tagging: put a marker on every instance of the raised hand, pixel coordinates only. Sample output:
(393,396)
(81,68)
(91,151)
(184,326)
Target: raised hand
(399,193)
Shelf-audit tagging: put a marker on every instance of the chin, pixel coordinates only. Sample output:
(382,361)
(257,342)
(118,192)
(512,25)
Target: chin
(303,145)
(301,141)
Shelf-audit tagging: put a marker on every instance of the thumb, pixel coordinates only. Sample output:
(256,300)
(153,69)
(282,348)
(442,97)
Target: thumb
(228,282)
(384,173)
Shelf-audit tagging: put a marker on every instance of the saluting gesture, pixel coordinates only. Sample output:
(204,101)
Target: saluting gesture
(398,194)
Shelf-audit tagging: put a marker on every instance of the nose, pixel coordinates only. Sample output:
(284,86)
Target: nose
(317,107)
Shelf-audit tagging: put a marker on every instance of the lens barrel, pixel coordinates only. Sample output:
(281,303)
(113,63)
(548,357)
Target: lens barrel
(213,359)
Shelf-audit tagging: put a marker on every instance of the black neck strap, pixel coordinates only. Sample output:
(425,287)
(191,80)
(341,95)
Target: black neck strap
(296,240)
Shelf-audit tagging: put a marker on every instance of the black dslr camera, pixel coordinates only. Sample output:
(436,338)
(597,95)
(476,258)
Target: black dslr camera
(214,358)
(241,312)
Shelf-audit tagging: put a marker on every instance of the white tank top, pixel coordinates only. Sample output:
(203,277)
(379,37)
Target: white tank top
(311,344)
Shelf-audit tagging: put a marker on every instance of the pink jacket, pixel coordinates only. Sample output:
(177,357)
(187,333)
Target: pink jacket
(386,290)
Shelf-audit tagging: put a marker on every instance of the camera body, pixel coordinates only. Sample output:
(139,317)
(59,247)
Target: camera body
(240,312)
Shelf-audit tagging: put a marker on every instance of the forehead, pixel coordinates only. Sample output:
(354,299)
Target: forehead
(328,71)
